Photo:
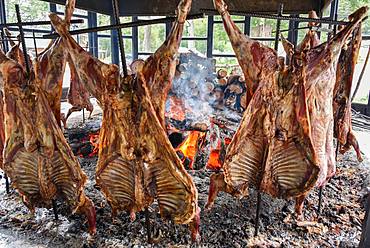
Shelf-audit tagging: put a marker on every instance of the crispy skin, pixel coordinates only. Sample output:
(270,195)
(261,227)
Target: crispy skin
(78,96)
(137,163)
(37,157)
(50,66)
(342,91)
(159,68)
(284,143)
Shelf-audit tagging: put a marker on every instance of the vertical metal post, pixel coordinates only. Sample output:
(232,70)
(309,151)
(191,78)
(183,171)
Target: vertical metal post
(293,33)
(55,209)
(147,224)
(34,42)
(278,25)
(114,45)
(210,28)
(365,236)
(53,9)
(4,42)
(135,40)
(3,20)
(92,21)
(115,4)
(24,47)
(168,28)
(257,220)
(247,25)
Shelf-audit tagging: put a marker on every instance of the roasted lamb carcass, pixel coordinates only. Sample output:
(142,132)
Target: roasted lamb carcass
(37,157)
(78,96)
(137,163)
(159,69)
(342,91)
(50,66)
(284,143)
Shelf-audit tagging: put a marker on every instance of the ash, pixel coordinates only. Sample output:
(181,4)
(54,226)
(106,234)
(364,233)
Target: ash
(229,224)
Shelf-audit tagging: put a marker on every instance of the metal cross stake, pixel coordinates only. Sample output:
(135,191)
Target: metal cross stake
(120,40)
(54,202)
(25,55)
(259,196)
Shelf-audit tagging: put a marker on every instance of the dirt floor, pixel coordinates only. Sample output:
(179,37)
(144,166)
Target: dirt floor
(229,224)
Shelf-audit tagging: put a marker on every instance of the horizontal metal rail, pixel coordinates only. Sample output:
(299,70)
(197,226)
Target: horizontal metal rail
(276,17)
(35,23)
(126,25)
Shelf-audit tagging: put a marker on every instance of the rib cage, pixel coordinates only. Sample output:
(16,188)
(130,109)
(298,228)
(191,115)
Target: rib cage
(244,165)
(118,183)
(171,195)
(289,167)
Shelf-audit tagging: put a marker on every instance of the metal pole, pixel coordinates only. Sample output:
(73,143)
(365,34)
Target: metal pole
(120,39)
(34,42)
(276,17)
(365,236)
(135,40)
(19,19)
(35,23)
(210,36)
(137,23)
(257,220)
(147,224)
(55,209)
(7,184)
(278,25)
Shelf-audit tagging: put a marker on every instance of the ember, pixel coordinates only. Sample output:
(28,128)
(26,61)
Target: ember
(189,148)
(216,156)
(94,140)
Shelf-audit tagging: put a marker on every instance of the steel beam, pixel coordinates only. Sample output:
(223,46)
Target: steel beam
(210,36)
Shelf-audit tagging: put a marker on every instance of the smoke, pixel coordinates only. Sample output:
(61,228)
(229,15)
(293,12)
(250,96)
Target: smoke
(194,87)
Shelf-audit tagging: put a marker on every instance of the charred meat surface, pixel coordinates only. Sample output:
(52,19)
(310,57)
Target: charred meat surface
(37,157)
(137,163)
(284,145)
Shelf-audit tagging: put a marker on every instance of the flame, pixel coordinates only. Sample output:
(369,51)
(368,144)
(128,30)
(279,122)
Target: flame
(189,148)
(214,161)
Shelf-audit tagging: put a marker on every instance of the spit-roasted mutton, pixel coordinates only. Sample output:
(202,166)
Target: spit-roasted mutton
(78,96)
(284,145)
(37,157)
(342,92)
(137,163)
(50,65)
(159,69)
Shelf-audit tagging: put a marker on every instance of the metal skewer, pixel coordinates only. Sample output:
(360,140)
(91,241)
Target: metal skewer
(259,196)
(55,209)
(35,42)
(19,19)
(120,40)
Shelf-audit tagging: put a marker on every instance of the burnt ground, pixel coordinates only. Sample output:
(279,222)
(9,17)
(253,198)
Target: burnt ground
(229,224)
